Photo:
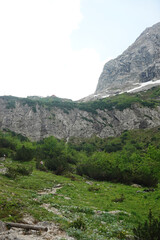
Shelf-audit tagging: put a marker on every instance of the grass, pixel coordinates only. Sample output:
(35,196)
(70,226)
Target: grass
(83,209)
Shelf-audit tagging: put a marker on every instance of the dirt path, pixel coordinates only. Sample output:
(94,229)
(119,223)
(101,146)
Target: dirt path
(54,232)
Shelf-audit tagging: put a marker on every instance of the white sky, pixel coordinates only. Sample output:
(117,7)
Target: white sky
(60,46)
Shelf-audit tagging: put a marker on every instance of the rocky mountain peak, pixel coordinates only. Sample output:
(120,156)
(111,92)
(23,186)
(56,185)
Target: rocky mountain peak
(140,63)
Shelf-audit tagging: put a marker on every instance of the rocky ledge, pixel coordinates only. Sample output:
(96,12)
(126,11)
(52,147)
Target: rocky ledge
(40,122)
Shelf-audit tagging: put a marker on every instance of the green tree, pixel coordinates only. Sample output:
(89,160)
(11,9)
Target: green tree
(56,157)
(24,154)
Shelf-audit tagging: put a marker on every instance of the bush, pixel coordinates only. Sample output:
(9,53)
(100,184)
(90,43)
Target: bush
(11,210)
(24,154)
(40,165)
(7,143)
(57,164)
(119,199)
(93,189)
(150,230)
(56,154)
(6,151)
(122,167)
(14,171)
(78,224)
(98,166)
(146,179)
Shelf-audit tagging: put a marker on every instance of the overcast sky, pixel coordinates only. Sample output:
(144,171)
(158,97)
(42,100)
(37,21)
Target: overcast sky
(59,47)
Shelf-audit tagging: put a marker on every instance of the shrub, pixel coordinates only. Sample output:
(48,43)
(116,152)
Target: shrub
(98,166)
(24,154)
(93,189)
(78,224)
(40,165)
(150,230)
(10,210)
(119,199)
(6,151)
(121,167)
(7,143)
(145,179)
(25,171)
(14,171)
(57,164)
(57,157)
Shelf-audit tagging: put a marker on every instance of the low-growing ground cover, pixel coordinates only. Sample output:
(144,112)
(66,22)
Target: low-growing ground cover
(86,209)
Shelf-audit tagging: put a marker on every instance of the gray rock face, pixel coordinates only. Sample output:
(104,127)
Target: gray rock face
(139,63)
(43,122)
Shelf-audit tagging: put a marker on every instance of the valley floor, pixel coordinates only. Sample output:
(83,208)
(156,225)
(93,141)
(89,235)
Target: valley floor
(74,207)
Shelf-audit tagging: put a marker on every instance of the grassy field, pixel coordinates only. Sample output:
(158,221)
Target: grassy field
(83,207)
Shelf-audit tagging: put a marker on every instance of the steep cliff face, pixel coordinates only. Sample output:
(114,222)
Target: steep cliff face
(40,122)
(139,63)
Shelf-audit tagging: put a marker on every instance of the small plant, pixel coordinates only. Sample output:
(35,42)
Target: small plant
(119,199)
(11,210)
(150,230)
(78,224)
(93,189)
(121,234)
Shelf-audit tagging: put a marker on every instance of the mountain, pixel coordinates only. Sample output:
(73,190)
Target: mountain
(43,117)
(137,68)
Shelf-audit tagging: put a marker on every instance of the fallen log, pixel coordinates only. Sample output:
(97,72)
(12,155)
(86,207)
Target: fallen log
(26,226)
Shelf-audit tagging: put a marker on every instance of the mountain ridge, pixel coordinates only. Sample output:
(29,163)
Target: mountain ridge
(103,118)
(139,63)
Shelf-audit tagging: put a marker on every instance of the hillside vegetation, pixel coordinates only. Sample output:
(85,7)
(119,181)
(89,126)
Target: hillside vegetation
(95,176)
(148,98)
(134,157)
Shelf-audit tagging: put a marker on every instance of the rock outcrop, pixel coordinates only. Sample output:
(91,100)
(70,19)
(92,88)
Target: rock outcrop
(139,63)
(42,122)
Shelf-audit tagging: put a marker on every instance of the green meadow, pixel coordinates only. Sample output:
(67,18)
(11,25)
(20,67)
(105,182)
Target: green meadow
(86,209)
